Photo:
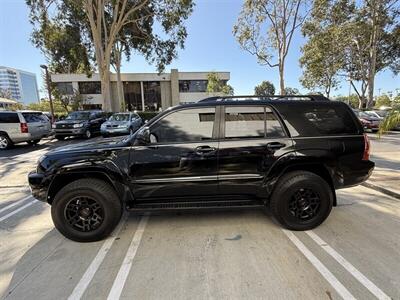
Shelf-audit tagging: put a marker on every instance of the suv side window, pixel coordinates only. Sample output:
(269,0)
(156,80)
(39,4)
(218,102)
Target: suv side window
(251,122)
(33,117)
(9,118)
(188,125)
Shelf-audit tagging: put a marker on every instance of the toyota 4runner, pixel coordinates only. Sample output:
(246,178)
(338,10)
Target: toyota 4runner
(288,153)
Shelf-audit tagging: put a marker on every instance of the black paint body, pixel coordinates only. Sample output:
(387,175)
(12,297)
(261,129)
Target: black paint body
(213,169)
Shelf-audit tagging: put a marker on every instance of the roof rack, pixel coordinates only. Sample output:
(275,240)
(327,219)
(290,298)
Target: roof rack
(267,97)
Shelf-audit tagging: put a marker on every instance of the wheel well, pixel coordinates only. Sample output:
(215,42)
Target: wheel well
(317,169)
(62,180)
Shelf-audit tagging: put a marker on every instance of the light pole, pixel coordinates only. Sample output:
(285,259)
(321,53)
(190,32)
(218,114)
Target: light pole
(48,83)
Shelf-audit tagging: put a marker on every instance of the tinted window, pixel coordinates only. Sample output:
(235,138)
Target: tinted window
(251,122)
(78,115)
(119,117)
(190,125)
(90,87)
(65,88)
(34,117)
(9,118)
(192,86)
(317,119)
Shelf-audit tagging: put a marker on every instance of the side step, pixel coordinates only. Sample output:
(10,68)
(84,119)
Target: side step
(195,205)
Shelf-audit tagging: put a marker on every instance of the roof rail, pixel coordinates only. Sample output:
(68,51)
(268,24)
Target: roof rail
(267,97)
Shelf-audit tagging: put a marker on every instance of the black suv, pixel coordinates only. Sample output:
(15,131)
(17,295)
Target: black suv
(83,123)
(287,153)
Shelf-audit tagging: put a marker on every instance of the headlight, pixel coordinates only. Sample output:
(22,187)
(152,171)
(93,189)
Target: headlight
(123,126)
(78,125)
(53,126)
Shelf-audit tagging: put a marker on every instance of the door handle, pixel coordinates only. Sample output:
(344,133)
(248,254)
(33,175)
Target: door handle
(200,150)
(273,146)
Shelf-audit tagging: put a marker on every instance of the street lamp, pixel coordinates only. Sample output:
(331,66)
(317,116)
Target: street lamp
(48,83)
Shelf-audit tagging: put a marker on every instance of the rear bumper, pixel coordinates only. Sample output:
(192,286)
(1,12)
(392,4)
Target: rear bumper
(38,185)
(358,174)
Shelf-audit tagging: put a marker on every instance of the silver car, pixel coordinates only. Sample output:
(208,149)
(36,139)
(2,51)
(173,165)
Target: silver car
(22,126)
(121,123)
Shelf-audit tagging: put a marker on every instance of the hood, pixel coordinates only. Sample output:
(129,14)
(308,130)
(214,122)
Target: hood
(116,123)
(108,143)
(63,122)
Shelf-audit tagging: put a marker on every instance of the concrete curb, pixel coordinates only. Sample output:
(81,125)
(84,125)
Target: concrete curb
(381,189)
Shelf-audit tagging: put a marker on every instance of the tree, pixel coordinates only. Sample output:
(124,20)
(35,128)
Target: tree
(352,100)
(102,23)
(391,121)
(291,91)
(216,85)
(383,100)
(265,88)
(323,57)
(265,29)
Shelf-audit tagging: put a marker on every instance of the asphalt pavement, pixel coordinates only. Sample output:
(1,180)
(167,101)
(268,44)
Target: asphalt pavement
(231,254)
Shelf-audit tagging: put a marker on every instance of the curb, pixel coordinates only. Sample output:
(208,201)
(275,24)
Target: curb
(381,189)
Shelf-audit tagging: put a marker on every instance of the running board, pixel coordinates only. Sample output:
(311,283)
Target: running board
(196,205)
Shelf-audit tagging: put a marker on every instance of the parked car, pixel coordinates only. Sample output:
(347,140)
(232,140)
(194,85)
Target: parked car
(121,123)
(79,123)
(375,114)
(287,155)
(22,126)
(368,121)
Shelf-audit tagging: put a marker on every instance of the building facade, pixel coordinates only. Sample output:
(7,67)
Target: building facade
(19,85)
(142,91)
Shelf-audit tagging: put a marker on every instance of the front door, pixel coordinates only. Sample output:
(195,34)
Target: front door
(181,160)
(252,141)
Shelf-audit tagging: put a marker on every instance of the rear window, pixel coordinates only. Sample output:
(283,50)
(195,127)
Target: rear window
(317,119)
(9,118)
(35,117)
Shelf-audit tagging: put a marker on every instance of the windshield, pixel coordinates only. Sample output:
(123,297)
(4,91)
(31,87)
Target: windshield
(119,117)
(78,115)
(363,114)
(382,113)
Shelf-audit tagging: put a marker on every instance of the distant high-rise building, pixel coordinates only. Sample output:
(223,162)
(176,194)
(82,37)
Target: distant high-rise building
(19,85)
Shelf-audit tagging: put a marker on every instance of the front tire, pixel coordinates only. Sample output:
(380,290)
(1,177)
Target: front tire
(60,137)
(301,200)
(86,210)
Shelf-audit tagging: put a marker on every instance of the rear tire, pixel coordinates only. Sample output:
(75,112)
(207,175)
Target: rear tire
(5,142)
(301,200)
(86,210)
(34,142)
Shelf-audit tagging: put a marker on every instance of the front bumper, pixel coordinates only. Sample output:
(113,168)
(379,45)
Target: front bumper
(69,132)
(110,131)
(38,185)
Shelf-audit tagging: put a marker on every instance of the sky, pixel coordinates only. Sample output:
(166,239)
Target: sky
(210,46)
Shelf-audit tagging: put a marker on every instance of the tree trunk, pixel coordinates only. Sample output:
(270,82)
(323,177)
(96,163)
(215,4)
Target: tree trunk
(106,90)
(281,77)
(120,88)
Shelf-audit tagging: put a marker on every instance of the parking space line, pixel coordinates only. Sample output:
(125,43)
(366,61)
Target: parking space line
(348,266)
(14,204)
(123,272)
(87,277)
(333,281)
(17,210)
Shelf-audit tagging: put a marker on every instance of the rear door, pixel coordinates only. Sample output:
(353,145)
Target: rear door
(181,160)
(253,139)
(10,124)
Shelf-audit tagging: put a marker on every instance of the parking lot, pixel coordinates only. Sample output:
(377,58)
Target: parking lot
(204,254)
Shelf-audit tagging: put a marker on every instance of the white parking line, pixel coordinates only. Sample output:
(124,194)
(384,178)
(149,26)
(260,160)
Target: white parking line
(123,272)
(333,281)
(14,204)
(348,266)
(17,210)
(87,277)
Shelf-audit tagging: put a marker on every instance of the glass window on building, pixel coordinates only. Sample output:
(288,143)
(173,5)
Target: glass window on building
(152,95)
(133,96)
(89,87)
(193,86)
(65,88)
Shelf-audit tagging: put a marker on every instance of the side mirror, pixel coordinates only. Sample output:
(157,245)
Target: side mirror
(143,136)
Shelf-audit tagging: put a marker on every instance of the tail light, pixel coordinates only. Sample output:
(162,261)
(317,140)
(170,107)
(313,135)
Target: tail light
(367,147)
(24,127)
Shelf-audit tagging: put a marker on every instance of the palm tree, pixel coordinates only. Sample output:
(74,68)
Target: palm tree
(391,121)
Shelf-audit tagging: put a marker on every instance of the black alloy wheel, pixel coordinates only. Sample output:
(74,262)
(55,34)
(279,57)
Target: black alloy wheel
(84,214)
